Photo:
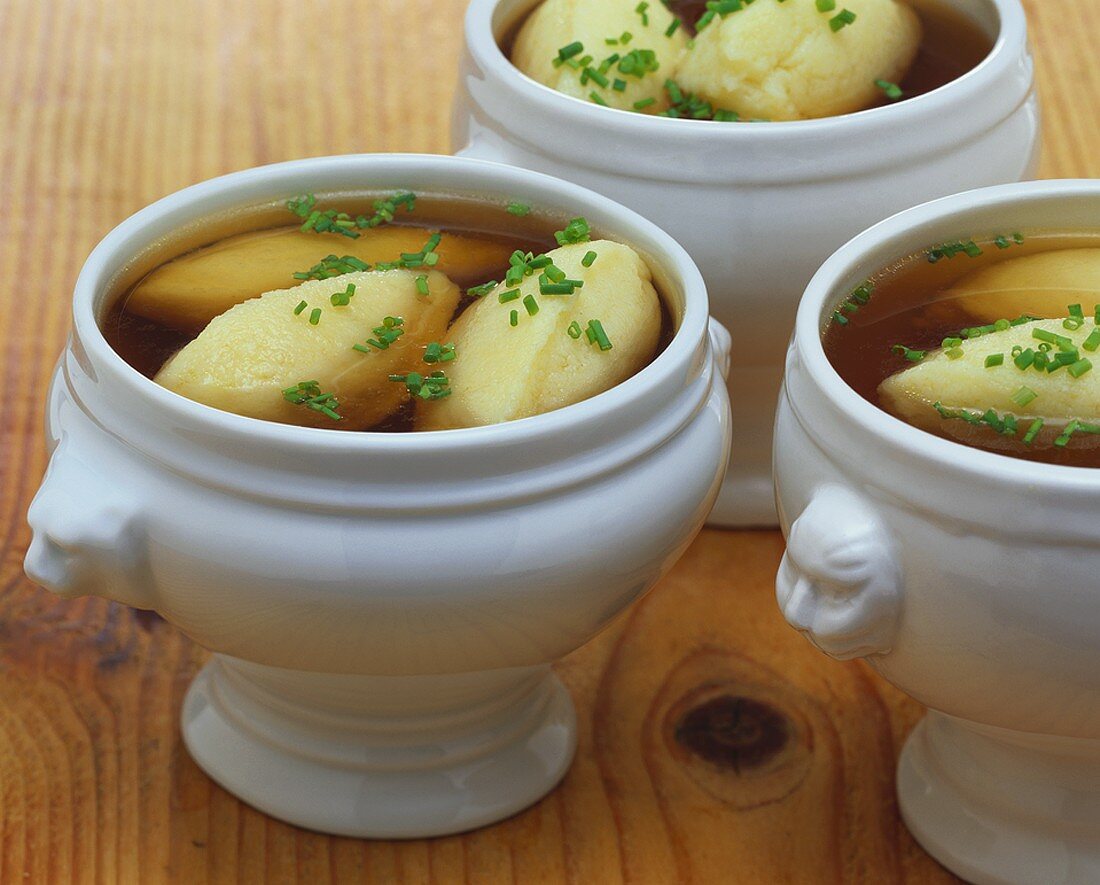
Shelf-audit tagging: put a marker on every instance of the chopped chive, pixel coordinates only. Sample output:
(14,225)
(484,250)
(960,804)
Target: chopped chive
(577,231)
(482,290)
(513,318)
(1071,428)
(1080,367)
(1024,359)
(303,305)
(308,394)
(954,353)
(994,359)
(825,5)
(841,20)
(1075,310)
(673,28)
(510,295)
(1093,341)
(1051,337)
(519,209)
(1033,431)
(644,103)
(599,336)
(891,90)
(422,284)
(567,52)
(574,331)
(343,299)
(913,356)
(595,96)
(589,259)
(530,305)
(315,316)
(1023,396)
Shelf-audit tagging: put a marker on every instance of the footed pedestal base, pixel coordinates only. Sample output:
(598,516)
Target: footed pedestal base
(996,806)
(381,757)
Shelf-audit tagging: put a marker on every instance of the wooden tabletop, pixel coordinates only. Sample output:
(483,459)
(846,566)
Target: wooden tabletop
(106,106)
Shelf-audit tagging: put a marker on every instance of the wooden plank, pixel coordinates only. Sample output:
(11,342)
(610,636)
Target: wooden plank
(107,106)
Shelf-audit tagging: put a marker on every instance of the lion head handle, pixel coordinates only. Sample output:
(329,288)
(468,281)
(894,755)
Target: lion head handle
(840,584)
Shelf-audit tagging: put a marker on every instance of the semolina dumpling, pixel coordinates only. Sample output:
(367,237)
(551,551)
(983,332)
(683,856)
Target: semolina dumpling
(504,372)
(967,383)
(188,292)
(782,60)
(245,358)
(1038,285)
(560,23)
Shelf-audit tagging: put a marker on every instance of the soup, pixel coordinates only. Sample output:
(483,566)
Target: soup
(988,342)
(951,45)
(681,66)
(412,312)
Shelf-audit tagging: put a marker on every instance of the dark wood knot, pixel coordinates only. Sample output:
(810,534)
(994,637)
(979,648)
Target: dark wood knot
(733,732)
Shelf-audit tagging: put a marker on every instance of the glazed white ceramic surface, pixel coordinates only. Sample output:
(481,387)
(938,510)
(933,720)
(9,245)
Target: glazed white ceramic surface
(759,206)
(967,579)
(384,608)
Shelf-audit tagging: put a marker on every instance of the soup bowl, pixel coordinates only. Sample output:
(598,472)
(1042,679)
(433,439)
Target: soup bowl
(758,205)
(384,608)
(965,578)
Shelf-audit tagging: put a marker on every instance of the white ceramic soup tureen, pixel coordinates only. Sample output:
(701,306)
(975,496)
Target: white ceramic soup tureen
(383,608)
(968,579)
(758,205)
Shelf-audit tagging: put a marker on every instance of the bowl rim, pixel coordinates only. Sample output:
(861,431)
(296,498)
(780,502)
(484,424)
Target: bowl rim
(827,289)
(926,109)
(116,249)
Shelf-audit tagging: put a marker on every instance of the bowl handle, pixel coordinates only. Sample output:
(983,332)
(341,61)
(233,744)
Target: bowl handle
(721,343)
(840,583)
(88,535)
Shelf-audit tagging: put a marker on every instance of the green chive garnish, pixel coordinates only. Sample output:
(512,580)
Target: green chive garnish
(513,318)
(1023,396)
(842,19)
(1080,367)
(1033,431)
(891,90)
(301,306)
(589,259)
(530,305)
(913,356)
(315,316)
(994,359)
(519,209)
(308,394)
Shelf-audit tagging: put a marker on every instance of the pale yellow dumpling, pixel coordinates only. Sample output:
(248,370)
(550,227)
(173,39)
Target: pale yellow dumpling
(967,383)
(504,372)
(245,358)
(188,292)
(559,23)
(782,60)
(1041,285)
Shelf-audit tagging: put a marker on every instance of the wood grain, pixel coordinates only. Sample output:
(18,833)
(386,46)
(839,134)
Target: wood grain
(716,746)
